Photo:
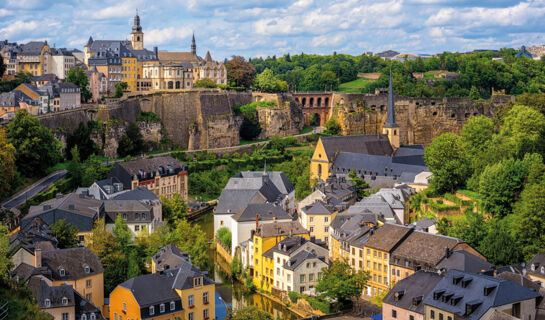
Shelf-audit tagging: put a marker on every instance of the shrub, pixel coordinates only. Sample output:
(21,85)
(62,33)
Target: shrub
(294,296)
(205,83)
(224,235)
(318,304)
(147,116)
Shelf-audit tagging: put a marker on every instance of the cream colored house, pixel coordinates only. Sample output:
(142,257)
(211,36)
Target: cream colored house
(316,218)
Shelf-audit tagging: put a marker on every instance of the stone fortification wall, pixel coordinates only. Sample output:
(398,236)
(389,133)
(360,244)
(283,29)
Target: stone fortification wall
(420,119)
(283,119)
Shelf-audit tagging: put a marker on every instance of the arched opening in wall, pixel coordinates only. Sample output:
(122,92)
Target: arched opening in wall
(319,102)
(373,107)
(311,102)
(170,84)
(395,132)
(304,103)
(177,84)
(435,113)
(433,103)
(298,101)
(382,108)
(315,119)
(453,115)
(138,38)
(326,102)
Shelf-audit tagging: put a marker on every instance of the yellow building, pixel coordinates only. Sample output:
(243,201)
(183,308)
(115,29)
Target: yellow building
(178,291)
(328,148)
(316,218)
(267,236)
(377,252)
(33,58)
(129,73)
(347,231)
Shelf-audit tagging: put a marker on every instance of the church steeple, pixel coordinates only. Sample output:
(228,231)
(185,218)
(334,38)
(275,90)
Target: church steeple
(137,36)
(193,45)
(390,128)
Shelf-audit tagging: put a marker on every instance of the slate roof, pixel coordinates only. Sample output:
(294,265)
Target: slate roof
(233,201)
(151,164)
(280,229)
(388,237)
(42,291)
(424,223)
(349,225)
(32,48)
(376,165)
(300,258)
(178,56)
(73,261)
(287,246)
(35,234)
(169,257)
(86,307)
(423,249)
(370,144)
(266,211)
(140,193)
(409,293)
(412,150)
(502,292)
(318,207)
(536,266)
(24,271)
(464,261)
(133,209)
(278,178)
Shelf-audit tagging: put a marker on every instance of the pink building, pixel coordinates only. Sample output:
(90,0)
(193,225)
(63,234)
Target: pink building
(98,84)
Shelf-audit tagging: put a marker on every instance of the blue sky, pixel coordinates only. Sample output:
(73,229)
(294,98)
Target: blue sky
(266,27)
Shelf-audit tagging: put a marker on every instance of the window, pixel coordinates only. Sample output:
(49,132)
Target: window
(326,219)
(65,316)
(432,314)
(311,219)
(380,255)
(62,272)
(172,305)
(162,307)
(394,313)
(136,228)
(89,296)
(190,316)
(326,229)
(205,313)
(385,256)
(302,278)
(393,272)
(205,297)
(311,229)
(88,283)
(64,301)
(190,301)
(151,310)
(47,303)
(83,317)
(411,317)
(289,277)
(125,306)
(311,277)
(197,282)
(440,316)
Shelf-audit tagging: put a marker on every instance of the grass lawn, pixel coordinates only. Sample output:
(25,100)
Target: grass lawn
(306,129)
(357,85)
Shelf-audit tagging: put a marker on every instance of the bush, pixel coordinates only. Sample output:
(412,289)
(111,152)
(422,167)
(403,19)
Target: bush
(147,116)
(294,296)
(318,304)
(205,83)
(224,236)
(333,127)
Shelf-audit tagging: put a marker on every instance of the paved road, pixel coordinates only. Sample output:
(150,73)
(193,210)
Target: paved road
(20,197)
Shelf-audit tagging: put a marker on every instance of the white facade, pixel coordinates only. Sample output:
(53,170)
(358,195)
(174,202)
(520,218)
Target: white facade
(303,278)
(61,64)
(241,231)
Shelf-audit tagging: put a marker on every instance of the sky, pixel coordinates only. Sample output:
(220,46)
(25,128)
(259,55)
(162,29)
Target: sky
(275,27)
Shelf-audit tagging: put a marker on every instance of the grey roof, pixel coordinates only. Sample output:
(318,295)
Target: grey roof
(412,150)
(287,246)
(73,261)
(424,223)
(318,207)
(76,209)
(266,211)
(391,120)
(86,307)
(374,165)
(464,261)
(33,48)
(388,237)
(409,293)
(536,266)
(349,226)
(133,211)
(24,271)
(502,292)
(278,178)
(280,229)
(169,257)
(232,201)
(34,235)
(42,291)
(383,203)
(140,193)
(370,144)
(300,258)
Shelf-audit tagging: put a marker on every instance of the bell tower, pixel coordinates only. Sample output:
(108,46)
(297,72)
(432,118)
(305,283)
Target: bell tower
(137,36)
(390,128)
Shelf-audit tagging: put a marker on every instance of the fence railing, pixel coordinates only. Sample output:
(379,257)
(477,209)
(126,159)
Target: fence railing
(4,310)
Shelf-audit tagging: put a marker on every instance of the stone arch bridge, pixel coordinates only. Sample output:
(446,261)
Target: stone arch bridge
(318,103)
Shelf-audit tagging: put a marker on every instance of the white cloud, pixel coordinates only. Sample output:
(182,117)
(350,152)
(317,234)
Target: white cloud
(4,12)
(328,40)
(18,27)
(161,36)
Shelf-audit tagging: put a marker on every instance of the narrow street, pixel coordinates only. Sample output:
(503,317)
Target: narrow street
(40,185)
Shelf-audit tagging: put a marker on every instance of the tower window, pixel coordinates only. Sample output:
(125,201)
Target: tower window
(137,38)
(395,132)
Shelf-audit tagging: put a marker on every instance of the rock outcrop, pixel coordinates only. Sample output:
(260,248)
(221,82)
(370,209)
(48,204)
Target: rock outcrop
(283,119)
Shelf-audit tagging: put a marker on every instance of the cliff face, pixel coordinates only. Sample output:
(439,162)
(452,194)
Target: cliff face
(108,136)
(283,119)
(420,119)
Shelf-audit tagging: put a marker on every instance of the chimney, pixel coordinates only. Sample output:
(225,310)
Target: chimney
(257,221)
(155,50)
(38,258)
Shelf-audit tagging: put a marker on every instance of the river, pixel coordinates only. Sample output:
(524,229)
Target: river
(229,294)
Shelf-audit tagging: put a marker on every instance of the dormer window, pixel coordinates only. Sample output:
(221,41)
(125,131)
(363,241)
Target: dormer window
(454,301)
(162,307)
(466,282)
(87,269)
(489,289)
(456,280)
(64,301)
(83,317)
(47,303)
(93,316)
(398,295)
(543,270)
(62,272)
(172,305)
(151,310)
(437,294)
(197,282)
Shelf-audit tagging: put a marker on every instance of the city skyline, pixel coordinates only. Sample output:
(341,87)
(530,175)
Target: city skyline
(262,28)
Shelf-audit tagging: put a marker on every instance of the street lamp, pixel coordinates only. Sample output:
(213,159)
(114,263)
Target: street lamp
(229,314)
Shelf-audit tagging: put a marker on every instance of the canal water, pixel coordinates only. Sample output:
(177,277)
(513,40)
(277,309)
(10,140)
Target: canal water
(234,294)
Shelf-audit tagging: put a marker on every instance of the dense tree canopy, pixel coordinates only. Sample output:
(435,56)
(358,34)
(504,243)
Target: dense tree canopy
(240,73)
(78,77)
(341,282)
(7,163)
(65,233)
(174,209)
(131,142)
(36,148)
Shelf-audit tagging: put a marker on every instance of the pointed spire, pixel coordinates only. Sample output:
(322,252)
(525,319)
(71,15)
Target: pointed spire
(90,41)
(193,45)
(208,57)
(136,26)
(391,120)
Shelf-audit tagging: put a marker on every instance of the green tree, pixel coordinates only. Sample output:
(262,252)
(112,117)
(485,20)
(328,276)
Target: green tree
(251,313)
(205,83)
(36,148)
(81,137)
(474,93)
(122,233)
(362,187)
(131,142)
(120,87)
(341,282)
(66,234)
(500,245)
(5,261)
(266,81)
(174,209)
(240,73)
(529,220)
(78,77)
(446,158)
(499,186)
(23,77)
(3,66)
(224,235)
(332,126)
(524,130)
(75,168)
(470,227)
(7,163)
